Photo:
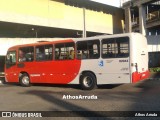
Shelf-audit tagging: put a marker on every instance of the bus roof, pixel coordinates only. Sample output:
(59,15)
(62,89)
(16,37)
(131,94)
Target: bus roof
(73,39)
(109,36)
(41,43)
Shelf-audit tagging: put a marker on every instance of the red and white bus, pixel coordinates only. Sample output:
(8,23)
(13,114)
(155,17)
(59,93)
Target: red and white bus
(107,59)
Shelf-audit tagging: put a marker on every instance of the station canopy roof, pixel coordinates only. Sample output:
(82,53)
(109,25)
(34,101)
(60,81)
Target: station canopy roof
(91,5)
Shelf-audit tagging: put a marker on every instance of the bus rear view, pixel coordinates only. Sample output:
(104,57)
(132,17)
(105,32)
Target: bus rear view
(139,58)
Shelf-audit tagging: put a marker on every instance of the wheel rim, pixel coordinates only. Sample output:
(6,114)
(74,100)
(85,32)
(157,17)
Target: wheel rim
(25,80)
(88,81)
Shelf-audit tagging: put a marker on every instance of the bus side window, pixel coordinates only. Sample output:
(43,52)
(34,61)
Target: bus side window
(21,56)
(82,48)
(123,47)
(115,47)
(26,54)
(44,52)
(57,53)
(88,49)
(65,51)
(40,53)
(48,52)
(109,48)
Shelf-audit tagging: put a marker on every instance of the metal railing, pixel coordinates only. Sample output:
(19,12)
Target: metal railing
(135,21)
(153,16)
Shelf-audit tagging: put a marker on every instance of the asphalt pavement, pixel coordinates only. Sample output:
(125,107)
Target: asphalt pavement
(141,96)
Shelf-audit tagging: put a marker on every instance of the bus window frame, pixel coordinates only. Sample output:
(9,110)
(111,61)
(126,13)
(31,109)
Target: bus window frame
(20,48)
(115,39)
(88,57)
(35,53)
(64,43)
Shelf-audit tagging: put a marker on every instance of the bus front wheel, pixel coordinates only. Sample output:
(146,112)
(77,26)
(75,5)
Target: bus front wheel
(88,81)
(25,80)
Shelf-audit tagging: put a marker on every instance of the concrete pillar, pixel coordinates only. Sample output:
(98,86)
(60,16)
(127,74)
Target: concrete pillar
(142,19)
(84,23)
(128,23)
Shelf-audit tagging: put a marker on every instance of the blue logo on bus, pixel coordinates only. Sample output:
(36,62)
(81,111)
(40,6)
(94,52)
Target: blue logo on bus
(100,63)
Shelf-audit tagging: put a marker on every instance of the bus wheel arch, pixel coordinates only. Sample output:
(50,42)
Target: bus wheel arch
(88,80)
(24,79)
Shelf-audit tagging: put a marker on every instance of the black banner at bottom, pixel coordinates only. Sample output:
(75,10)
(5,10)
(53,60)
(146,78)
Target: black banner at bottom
(79,114)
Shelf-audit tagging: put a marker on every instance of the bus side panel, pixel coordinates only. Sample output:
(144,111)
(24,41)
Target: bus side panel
(115,71)
(11,75)
(66,71)
(23,67)
(59,72)
(33,71)
(107,71)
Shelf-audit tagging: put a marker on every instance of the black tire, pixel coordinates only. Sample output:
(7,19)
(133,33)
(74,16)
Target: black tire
(24,80)
(88,81)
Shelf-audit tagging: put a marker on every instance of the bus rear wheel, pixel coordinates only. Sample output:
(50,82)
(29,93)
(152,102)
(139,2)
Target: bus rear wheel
(88,81)
(25,80)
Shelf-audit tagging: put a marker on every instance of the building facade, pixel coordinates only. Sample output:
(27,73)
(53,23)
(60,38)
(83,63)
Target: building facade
(24,20)
(58,18)
(143,16)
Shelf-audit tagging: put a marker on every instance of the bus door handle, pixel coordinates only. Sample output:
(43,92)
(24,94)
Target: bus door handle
(20,65)
(135,65)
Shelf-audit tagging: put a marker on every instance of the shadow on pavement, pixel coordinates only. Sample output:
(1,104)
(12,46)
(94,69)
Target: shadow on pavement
(73,86)
(109,86)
